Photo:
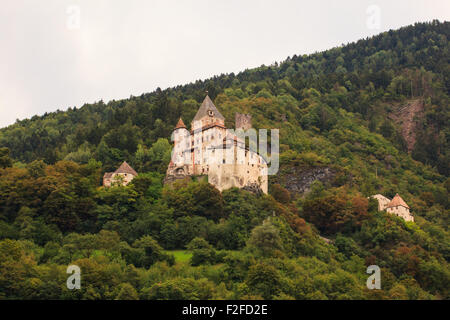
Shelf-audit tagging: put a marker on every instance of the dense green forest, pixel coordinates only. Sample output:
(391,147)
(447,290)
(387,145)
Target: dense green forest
(343,111)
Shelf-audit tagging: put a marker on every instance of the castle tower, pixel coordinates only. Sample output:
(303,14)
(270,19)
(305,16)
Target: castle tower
(182,142)
(243,121)
(207,129)
(399,207)
(207,115)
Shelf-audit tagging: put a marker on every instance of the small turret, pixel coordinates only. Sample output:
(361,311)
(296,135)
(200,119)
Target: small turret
(180,125)
(182,142)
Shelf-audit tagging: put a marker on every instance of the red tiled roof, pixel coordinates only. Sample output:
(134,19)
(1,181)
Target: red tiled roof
(397,201)
(125,168)
(180,124)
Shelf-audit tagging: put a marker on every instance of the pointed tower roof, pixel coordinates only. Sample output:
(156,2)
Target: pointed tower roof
(180,124)
(208,105)
(397,201)
(126,168)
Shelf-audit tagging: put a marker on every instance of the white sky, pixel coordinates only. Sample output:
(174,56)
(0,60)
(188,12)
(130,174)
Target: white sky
(124,48)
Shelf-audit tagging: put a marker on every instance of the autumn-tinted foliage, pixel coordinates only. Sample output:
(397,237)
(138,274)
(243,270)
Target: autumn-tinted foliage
(336,213)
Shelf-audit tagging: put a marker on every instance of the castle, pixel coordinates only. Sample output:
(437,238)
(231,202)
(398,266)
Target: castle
(123,175)
(210,150)
(395,206)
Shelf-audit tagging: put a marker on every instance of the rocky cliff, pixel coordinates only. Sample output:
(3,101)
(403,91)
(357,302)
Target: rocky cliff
(298,180)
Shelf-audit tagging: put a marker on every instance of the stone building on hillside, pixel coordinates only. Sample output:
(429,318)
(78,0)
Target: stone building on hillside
(395,206)
(123,175)
(210,149)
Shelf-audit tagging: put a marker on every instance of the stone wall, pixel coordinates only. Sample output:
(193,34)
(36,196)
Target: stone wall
(246,169)
(402,212)
(382,201)
(298,180)
(243,121)
(116,178)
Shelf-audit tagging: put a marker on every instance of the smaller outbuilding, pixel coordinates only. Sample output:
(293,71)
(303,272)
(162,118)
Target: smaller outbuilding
(122,176)
(395,206)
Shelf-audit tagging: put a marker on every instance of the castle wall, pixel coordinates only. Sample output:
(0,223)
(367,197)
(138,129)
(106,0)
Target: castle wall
(107,182)
(234,167)
(382,201)
(401,212)
(226,167)
(227,176)
(116,177)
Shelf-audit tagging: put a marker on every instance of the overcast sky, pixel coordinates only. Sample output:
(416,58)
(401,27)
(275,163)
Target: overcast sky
(56,54)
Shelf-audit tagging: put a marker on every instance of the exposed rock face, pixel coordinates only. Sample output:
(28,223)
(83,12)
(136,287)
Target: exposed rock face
(298,180)
(254,188)
(404,117)
(177,174)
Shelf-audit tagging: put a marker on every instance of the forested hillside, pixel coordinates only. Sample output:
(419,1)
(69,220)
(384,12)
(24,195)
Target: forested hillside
(368,117)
